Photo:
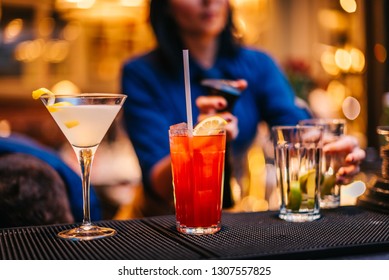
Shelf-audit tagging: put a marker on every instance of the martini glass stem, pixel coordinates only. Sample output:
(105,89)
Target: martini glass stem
(85,158)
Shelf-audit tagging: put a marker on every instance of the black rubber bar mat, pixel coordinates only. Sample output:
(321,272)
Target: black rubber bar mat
(346,231)
(134,240)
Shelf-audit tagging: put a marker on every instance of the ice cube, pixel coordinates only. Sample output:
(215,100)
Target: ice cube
(179,129)
(182,125)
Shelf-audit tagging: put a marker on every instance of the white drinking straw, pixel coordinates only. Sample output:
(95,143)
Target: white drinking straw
(187,92)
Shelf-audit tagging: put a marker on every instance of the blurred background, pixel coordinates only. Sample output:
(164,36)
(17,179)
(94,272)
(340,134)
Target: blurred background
(334,53)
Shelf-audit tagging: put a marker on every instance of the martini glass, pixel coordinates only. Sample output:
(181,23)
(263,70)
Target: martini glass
(84,119)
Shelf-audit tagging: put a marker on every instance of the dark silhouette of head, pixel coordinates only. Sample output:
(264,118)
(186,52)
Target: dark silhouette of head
(31,192)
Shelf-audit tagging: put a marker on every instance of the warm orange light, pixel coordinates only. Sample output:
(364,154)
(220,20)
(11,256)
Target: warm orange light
(241,26)
(350,6)
(108,68)
(106,10)
(13,29)
(343,59)
(132,3)
(65,87)
(327,61)
(357,60)
(56,51)
(337,92)
(243,2)
(85,4)
(380,53)
(333,20)
(71,31)
(28,51)
(322,104)
(5,128)
(46,26)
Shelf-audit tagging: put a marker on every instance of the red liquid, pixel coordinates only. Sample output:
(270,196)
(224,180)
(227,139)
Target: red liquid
(198,180)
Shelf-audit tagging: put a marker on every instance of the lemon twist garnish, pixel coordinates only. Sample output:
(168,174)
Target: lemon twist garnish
(54,107)
(39,92)
(209,126)
(71,124)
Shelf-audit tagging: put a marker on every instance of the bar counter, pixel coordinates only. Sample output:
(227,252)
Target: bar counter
(349,232)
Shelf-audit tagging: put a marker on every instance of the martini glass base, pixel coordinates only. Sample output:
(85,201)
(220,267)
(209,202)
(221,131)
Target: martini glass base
(88,232)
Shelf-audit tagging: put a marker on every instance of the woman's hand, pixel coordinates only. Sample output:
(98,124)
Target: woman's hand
(217,105)
(240,84)
(347,145)
(213,105)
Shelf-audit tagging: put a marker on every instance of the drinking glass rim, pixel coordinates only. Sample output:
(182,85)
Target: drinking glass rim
(185,132)
(78,95)
(298,126)
(323,121)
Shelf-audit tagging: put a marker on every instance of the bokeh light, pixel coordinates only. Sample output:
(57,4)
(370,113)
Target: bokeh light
(71,31)
(351,108)
(13,30)
(357,60)
(343,59)
(5,128)
(241,27)
(337,92)
(46,26)
(380,53)
(28,51)
(65,87)
(56,51)
(333,20)
(350,6)
(321,104)
(327,61)
(85,4)
(132,3)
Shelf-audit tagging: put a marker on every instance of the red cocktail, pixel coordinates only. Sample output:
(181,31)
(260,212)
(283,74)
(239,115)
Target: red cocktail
(198,172)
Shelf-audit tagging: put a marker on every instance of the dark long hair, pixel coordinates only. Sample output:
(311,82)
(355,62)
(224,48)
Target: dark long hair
(169,41)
